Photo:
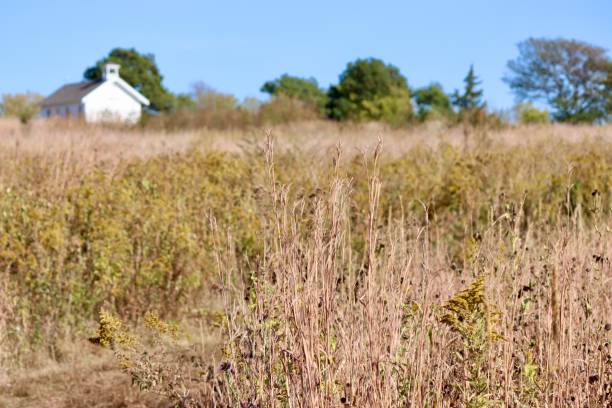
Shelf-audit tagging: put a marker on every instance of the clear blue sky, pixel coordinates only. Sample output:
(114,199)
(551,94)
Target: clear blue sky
(234,46)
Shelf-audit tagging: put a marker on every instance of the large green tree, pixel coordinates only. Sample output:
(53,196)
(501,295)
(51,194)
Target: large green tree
(369,89)
(432,102)
(306,90)
(141,72)
(572,77)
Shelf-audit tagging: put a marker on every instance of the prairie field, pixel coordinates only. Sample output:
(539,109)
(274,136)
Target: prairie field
(307,265)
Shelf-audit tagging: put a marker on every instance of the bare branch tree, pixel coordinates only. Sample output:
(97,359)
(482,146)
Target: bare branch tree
(573,77)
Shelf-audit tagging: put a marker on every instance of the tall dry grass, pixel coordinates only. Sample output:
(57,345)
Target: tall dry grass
(436,270)
(101,143)
(316,322)
(71,149)
(323,325)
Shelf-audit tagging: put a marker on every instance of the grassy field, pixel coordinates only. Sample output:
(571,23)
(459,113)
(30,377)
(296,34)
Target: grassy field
(310,265)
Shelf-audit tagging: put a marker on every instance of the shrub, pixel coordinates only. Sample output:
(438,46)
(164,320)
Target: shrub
(432,103)
(126,243)
(21,106)
(305,90)
(529,114)
(468,314)
(208,99)
(283,109)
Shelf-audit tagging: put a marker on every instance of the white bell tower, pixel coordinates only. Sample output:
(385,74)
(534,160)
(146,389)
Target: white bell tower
(110,71)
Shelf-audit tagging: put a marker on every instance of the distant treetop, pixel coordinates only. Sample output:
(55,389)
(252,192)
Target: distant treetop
(432,102)
(304,89)
(573,77)
(471,97)
(369,89)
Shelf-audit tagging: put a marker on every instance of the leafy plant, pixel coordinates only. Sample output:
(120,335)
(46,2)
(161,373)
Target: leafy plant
(529,114)
(432,103)
(468,314)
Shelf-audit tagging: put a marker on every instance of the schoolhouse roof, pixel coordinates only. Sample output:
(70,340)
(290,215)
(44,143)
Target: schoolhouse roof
(70,94)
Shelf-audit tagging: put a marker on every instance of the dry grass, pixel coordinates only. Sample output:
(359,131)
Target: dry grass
(94,144)
(54,385)
(94,384)
(343,301)
(72,149)
(318,324)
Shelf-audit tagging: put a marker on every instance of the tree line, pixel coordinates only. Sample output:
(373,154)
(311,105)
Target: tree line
(571,78)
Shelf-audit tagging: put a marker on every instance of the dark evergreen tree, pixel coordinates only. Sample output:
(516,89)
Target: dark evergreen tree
(471,98)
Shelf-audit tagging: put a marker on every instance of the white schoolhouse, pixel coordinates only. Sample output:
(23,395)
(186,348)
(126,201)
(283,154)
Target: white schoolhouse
(108,99)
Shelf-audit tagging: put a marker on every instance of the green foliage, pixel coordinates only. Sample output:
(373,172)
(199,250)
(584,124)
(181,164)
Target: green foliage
(469,314)
(370,90)
(471,98)
(529,114)
(111,332)
(608,92)
(432,103)
(141,72)
(469,103)
(530,381)
(305,90)
(22,106)
(572,76)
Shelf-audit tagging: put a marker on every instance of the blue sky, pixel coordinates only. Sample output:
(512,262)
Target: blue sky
(235,46)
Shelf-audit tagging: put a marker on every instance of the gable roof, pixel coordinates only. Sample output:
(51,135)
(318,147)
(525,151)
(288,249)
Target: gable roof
(132,92)
(71,93)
